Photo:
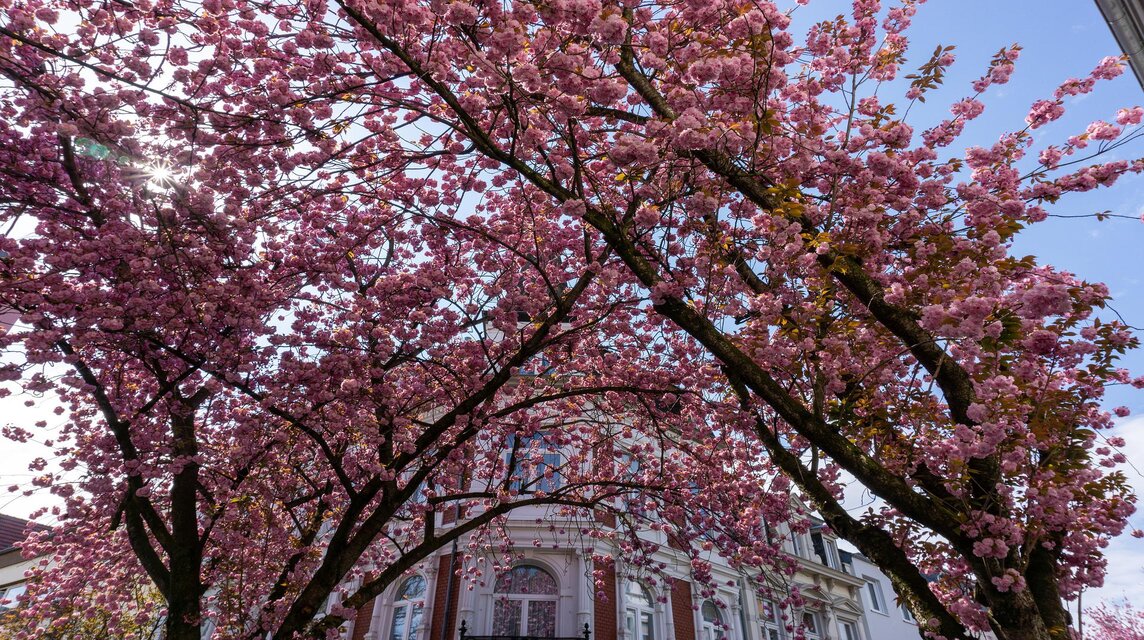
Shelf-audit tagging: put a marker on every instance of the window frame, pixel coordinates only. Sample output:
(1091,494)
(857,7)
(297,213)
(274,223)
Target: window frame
(526,600)
(831,550)
(853,626)
(638,611)
(718,627)
(797,544)
(536,479)
(828,548)
(413,609)
(876,596)
(14,601)
(816,622)
(773,621)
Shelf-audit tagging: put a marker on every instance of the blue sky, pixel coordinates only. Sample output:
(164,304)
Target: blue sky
(1065,38)
(1060,39)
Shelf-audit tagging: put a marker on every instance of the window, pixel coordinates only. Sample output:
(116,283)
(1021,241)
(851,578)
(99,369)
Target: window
(533,464)
(639,614)
(525,602)
(772,621)
(537,365)
(629,469)
(831,554)
(10,594)
(712,621)
(907,615)
(850,631)
(810,625)
(825,549)
(797,544)
(407,607)
(874,593)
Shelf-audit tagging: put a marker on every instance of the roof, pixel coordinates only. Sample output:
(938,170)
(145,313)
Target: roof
(12,531)
(1126,19)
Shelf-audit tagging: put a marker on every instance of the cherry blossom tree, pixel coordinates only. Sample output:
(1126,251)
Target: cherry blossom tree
(852,278)
(132,614)
(274,393)
(280,371)
(1115,621)
(286,250)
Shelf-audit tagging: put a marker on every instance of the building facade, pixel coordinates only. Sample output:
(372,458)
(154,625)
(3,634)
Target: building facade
(573,589)
(885,617)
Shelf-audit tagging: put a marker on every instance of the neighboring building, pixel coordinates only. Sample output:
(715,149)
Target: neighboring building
(12,562)
(833,609)
(886,618)
(554,591)
(1126,19)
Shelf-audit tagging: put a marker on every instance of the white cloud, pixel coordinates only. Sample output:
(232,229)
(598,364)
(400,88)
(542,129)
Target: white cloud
(1125,554)
(17,456)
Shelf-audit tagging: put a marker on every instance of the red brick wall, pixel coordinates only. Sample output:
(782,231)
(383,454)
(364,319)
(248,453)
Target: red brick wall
(681,612)
(441,599)
(604,608)
(606,518)
(362,620)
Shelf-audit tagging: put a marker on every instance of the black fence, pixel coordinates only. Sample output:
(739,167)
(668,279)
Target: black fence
(586,635)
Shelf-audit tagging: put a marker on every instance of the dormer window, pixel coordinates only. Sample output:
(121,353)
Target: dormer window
(825,549)
(797,545)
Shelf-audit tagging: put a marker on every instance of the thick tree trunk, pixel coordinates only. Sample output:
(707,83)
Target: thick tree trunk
(184,607)
(1043,586)
(1035,613)
(182,630)
(1015,617)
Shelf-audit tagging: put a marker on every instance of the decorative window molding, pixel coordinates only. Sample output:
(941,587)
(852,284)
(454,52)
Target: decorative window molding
(639,612)
(714,628)
(408,607)
(525,600)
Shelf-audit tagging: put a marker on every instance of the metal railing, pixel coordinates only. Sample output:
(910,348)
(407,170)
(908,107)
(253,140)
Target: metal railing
(586,635)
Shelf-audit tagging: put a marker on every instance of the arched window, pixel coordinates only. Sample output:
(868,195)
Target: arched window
(639,612)
(407,607)
(525,603)
(712,621)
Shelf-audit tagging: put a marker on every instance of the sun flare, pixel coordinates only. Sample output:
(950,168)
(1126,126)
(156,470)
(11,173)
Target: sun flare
(160,174)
